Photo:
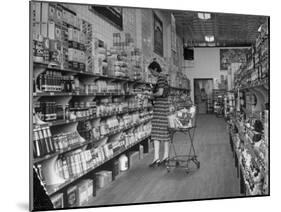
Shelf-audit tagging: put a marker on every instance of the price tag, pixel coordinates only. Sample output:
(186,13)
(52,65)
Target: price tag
(52,93)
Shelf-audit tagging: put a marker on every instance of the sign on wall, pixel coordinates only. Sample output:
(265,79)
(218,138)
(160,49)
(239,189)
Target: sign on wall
(228,56)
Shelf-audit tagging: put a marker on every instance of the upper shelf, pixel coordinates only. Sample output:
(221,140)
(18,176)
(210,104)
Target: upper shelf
(63,122)
(89,74)
(260,83)
(46,94)
(43,65)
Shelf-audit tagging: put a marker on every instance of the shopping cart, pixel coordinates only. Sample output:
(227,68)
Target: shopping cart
(186,126)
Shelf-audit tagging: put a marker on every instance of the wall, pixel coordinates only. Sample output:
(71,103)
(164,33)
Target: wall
(148,34)
(206,65)
(102,29)
(138,22)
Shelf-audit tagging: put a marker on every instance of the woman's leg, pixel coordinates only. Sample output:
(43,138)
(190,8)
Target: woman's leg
(156,150)
(166,150)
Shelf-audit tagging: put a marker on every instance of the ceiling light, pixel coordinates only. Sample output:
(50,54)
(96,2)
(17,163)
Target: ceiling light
(204,16)
(209,38)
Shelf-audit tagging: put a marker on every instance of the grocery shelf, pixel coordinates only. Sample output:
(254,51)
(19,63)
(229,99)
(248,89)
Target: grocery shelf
(53,94)
(250,147)
(259,83)
(74,147)
(63,122)
(178,88)
(52,189)
(83,73)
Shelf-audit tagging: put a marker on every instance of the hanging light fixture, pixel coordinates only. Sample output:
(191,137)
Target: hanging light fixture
(204,16)
(209,38)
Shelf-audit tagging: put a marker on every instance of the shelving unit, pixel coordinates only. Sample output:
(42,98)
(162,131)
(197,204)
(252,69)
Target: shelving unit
(54,189)
(57,123)
(65,97)
(249,121)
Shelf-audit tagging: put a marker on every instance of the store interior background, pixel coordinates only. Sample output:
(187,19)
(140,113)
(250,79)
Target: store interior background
(138,22)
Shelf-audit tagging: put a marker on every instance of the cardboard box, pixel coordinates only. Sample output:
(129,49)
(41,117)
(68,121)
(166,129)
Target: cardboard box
(65,15)
(36,30)
(58,14)
(133,158)
(57,201)
(71,54)
(48,12)
(54,31)
(44,30)
(82,192)
(90,188)
(72,196)
(36,12)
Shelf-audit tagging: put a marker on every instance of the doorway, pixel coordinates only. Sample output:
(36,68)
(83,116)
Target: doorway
(203,90)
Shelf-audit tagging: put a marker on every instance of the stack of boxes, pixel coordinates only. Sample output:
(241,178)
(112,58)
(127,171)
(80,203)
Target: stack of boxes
(76,49)
(99,57)
(87,29)
(79,194)
(57,38)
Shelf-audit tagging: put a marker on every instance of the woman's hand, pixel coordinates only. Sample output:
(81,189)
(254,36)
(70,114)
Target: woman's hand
(159,92)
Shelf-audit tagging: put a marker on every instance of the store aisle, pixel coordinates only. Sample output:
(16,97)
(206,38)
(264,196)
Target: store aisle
(215,178)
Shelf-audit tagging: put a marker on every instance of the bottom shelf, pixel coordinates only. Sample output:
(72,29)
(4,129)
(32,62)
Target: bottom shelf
(52,189)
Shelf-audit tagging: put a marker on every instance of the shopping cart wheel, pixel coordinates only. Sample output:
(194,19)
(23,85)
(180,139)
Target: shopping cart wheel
(187,170)
(198,164)
(168,170)
(177,163)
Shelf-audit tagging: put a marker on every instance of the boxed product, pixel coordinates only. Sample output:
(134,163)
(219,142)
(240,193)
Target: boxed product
(57,201)
(65,15)
(54,31)
(44,30)
(36,12)
(48,12)
(82,192)
(90,188)
(36,30)
(58,14)
(103,178)
(55,51)
(133,158)
(72,196)
(38,49)
(73,34)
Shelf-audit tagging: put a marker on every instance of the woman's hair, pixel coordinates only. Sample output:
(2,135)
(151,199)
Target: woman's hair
(155,65)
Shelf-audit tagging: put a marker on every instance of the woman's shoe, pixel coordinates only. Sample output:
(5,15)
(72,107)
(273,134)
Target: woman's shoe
(154,163)
(164,161)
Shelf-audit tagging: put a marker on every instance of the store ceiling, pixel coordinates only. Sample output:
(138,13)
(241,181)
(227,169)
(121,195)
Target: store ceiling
(227,29)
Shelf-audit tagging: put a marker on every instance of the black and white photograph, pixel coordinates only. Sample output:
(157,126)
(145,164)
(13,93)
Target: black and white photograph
(138,105)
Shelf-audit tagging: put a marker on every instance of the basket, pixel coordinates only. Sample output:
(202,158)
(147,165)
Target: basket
(183,119)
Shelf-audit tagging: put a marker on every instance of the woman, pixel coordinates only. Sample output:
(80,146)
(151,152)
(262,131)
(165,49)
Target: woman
(159,131)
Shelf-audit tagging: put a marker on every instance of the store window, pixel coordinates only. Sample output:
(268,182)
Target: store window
(158,35)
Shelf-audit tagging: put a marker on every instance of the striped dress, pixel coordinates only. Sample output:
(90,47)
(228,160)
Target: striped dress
(160,113)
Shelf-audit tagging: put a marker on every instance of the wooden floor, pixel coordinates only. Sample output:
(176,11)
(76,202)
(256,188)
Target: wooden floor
(215,178)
